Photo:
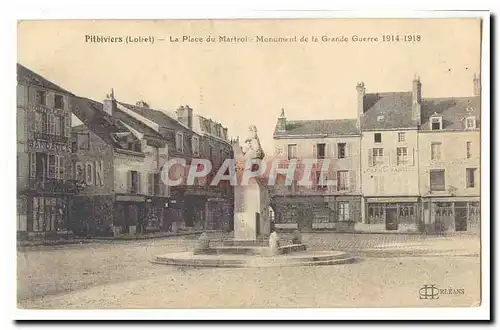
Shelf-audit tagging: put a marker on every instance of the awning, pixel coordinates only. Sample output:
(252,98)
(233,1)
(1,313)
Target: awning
(392,199)
(130,198)
(452,199)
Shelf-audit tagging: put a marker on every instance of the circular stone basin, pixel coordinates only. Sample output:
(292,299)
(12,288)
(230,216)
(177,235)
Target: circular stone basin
(310,258)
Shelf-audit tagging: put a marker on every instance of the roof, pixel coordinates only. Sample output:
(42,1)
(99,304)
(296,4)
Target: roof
(25,75)
(331,127)
(96,120)
(452,110)
(136,124)
(157,116)
(396,109)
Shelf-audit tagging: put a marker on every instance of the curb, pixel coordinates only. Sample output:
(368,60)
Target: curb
(22,244)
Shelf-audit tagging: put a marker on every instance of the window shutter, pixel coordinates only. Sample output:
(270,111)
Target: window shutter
(412,155)
(348,150)
(32,164)
(326,150)
(352,181)
(370,157)
(334,150)
(129,181)
(61,168)
(139,190)
(315,150)
(67,125)
(150,184)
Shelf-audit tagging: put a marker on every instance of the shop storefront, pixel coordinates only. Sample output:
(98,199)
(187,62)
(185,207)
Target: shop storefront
(393,214)
(441,214)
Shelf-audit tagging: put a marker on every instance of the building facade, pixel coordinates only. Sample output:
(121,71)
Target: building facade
(44,178)
(389,164)
(190,136)
(450,164)
(118,160)
(413,165)
(318,206)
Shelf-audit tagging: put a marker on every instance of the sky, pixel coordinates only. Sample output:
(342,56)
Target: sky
(239,84)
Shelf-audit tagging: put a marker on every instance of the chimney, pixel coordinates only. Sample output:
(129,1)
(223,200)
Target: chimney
(477,85)
(416,100)
(281,125)
(185,116)
(109,104)
(417,90)
(142,104)
(360,88)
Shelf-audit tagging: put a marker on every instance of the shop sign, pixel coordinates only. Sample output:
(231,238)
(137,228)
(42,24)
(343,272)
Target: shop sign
(47,145)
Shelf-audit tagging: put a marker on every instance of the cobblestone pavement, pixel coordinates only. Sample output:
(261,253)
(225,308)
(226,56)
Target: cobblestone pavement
(393,282)
(47,273)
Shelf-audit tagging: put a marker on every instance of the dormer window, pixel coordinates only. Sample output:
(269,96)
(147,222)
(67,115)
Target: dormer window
(436,122)
(470,122)
(380,118)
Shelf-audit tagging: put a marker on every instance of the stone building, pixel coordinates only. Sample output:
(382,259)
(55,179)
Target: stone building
(118,161)
(449,141)
(389,162)
(318,206)
(44,185)
(413,165)
(190,136)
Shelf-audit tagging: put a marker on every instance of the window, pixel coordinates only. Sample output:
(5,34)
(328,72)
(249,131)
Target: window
(437,182)
(436,151)
(137,146)
(402,156)
(134,182)
(41,97)
(341,150)
(321,180)
(342,180)
(378,156)
(40,122)
(59,102)
(321,150)
(401,137)
(292,151)
(179,142)
(470,122)
(51,166)
(58,127)
(51,123)
(60,168)
(469,149)
(195,145)
(380,118)
(343,211)
(377,137)
(154,184)
(436,123)
(470,174)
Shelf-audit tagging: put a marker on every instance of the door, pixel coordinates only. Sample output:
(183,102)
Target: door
(391,220)
(257,224)
(461,216)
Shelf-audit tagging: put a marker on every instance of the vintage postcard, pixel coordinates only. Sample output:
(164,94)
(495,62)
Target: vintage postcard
(250,163)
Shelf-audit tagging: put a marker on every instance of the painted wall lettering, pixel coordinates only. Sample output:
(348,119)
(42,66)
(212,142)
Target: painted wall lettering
(92,173)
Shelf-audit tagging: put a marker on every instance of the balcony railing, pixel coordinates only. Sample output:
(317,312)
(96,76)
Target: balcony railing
(56,185)
(50,137)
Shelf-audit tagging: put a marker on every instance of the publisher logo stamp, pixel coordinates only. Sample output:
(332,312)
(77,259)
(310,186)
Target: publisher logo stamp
(431,292)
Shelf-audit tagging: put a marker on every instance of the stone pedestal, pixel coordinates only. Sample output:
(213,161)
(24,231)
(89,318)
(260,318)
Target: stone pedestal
(251,211)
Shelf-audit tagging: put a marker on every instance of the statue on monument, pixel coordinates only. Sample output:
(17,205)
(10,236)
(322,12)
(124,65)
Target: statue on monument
(252,148)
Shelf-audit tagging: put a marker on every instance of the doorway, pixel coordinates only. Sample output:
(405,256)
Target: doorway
(391,220)
(460,216)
